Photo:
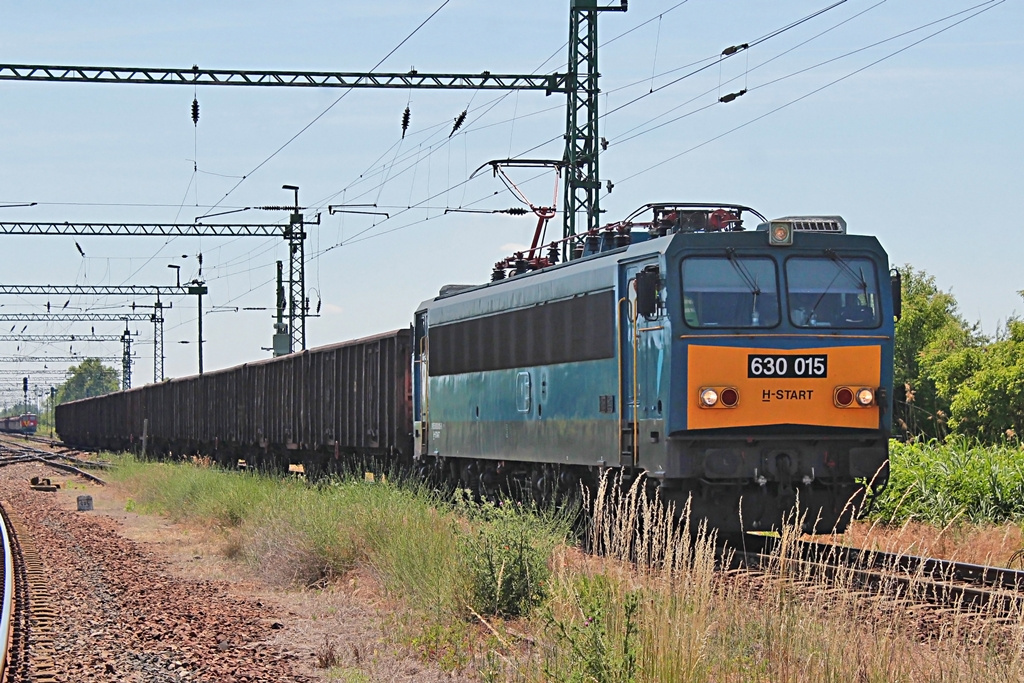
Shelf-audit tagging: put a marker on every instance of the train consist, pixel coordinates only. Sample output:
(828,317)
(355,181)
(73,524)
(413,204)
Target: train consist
(741,371)
(19,424)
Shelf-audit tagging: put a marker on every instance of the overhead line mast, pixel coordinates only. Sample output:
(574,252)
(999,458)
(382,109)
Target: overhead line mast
(580,84)
(582,148)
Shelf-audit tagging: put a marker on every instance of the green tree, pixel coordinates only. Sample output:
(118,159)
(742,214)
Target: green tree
(89,378)
(928,333)
(989,403)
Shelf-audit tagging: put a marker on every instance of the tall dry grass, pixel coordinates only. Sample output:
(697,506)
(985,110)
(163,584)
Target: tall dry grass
(653,607)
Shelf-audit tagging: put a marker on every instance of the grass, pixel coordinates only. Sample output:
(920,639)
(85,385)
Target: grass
(956,481)
(493,591)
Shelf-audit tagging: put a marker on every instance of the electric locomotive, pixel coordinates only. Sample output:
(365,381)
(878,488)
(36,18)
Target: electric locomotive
(19,424)
(746,373)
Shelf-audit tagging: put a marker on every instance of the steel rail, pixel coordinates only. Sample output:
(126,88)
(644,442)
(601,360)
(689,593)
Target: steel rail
(941,570)
(7,611)
(958,585)
(24,454)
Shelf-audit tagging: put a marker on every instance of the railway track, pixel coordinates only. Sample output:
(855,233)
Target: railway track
(26,617)
(13,451)
(991,592)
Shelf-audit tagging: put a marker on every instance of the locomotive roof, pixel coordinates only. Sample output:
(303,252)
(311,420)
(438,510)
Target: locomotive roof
(598,272)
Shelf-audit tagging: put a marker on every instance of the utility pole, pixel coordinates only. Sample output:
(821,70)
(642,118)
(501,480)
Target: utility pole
(199,288)
(297,306)
(582,140)
(282,337)
(126,358)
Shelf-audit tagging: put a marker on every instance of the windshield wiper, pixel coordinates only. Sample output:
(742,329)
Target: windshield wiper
(841,267)
(751,281)
(857,276)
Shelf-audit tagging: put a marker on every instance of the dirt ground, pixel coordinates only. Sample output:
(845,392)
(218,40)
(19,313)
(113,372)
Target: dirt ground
(343,620)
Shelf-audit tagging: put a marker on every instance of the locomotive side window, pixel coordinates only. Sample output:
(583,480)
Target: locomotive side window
(731,291)
(572,330)
(833,291)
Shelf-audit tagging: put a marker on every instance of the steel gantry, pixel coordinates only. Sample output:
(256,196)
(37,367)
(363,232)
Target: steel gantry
(194,76)
(580,86)
(156,317)
(53,338)
(71,317)
(54,359)
(195,288)
(293,232)
(125,339)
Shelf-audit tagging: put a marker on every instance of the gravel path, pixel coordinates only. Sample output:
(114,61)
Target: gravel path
(140,599)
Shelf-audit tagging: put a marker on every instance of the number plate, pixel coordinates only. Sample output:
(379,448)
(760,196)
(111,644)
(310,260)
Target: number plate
(789,366)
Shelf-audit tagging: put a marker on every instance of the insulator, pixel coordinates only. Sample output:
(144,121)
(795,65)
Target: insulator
(514,211)
(405,121)
(459,120)
(195,112)
(732,96)
(733,49)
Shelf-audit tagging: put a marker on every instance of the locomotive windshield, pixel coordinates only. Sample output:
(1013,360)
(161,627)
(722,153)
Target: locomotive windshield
(730,291)
(832,291)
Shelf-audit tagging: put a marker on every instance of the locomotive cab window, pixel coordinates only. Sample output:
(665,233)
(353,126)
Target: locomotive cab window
(730,291)
(833,291)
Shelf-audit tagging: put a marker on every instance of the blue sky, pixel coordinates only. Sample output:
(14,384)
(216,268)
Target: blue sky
(922,149)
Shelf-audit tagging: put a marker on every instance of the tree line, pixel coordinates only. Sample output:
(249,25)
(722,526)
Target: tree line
(949,377)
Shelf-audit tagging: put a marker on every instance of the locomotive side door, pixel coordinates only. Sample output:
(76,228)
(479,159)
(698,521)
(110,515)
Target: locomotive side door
(640,352)
(420,378)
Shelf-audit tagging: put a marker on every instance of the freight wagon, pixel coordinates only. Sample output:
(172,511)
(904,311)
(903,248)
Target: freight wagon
(310,407)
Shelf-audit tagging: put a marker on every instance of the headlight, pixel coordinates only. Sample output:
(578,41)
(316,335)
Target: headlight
(708,397)
(865,397)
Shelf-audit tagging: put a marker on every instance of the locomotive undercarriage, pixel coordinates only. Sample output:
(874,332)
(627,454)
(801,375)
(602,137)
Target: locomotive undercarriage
(753,483)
